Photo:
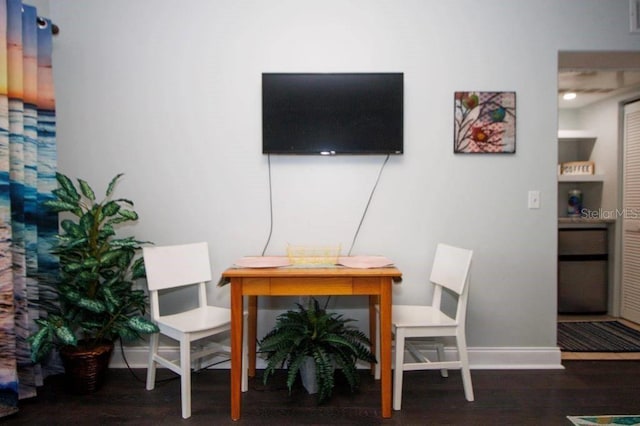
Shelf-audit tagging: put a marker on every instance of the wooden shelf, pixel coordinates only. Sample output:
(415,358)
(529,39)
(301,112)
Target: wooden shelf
(581,178)
(576,135)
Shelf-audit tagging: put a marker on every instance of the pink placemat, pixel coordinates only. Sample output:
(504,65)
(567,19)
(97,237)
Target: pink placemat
(364,262)
(262,262)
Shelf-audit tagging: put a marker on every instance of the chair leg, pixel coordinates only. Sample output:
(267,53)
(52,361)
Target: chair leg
(185,376)
(151,365)
(398,369)
(440,350)
(464,367)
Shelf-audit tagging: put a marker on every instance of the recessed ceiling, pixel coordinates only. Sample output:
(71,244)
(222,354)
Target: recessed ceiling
(593,86)
(595,76)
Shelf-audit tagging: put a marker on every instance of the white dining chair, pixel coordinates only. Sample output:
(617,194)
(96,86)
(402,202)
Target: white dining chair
(419,330)
(171,267)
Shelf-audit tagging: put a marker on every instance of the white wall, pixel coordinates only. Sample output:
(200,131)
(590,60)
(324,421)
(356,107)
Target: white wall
(168,92)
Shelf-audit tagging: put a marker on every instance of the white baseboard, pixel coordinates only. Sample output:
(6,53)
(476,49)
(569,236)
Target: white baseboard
(515,358)
(480,358)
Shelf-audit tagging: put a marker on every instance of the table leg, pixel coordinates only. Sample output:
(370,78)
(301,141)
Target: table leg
(252,324)
(373,301)
(236,347)
(385,346)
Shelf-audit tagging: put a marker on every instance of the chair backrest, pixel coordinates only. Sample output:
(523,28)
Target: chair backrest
(451,270)
(451,267)
(177,265)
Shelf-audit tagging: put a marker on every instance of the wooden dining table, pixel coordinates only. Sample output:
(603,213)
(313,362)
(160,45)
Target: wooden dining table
(308,281)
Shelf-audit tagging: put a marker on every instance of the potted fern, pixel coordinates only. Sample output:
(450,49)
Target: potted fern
(323,339)
(97,301)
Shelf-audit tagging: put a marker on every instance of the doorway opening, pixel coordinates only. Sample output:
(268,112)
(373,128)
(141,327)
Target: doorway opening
(592,87)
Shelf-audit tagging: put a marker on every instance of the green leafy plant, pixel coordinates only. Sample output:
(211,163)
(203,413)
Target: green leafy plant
(96,297)
(326,337)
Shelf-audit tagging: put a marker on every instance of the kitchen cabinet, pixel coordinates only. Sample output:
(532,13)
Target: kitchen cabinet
(583,270)
(583,240)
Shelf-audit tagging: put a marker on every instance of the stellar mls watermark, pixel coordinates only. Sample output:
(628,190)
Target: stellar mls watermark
(610,214)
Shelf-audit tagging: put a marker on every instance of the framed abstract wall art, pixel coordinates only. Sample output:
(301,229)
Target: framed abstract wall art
(484,122)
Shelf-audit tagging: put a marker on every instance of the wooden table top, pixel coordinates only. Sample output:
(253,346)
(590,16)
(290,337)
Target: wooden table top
(311,271)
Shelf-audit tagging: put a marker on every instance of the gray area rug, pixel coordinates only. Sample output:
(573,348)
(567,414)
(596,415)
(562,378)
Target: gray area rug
(597,336)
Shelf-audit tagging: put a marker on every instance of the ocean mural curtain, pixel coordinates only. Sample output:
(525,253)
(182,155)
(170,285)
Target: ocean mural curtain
(27,178)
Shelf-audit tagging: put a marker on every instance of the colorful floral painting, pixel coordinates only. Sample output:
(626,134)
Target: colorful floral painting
(485,122)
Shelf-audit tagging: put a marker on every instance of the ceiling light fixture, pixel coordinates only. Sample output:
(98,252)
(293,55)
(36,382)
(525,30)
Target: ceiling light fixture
(568,96)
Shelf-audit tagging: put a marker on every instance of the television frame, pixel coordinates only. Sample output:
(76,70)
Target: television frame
(304,109)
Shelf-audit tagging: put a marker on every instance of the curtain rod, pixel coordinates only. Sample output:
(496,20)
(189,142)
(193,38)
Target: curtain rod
(43,22)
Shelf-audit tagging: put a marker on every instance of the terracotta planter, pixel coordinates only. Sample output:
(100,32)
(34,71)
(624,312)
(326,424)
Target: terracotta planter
(86,365)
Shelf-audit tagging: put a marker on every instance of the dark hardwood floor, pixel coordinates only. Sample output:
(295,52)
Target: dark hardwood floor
(503,397)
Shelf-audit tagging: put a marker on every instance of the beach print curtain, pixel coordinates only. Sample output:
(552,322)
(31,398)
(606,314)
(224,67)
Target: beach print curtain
(27,178)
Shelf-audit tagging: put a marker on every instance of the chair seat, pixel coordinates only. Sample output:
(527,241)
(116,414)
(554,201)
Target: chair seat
(420,316)
(199,319)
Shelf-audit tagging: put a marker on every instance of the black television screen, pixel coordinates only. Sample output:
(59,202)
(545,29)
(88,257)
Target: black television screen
(332,113)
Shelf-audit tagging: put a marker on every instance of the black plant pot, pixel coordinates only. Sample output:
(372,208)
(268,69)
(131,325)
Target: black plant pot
(86,365)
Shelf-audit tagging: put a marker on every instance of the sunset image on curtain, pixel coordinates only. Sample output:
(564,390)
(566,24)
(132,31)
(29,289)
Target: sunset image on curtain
(27,177)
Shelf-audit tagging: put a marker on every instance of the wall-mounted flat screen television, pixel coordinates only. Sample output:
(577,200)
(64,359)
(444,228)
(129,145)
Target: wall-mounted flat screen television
(332,113)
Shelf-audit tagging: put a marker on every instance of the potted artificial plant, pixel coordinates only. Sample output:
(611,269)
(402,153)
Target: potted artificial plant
(97,302)
(311,335)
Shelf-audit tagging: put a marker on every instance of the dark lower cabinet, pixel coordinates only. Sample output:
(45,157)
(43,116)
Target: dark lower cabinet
(583,271)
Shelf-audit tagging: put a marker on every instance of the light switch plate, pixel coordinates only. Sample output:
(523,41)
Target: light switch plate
(534,199)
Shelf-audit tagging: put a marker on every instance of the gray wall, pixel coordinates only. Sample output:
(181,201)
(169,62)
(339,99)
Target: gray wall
(168,92)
